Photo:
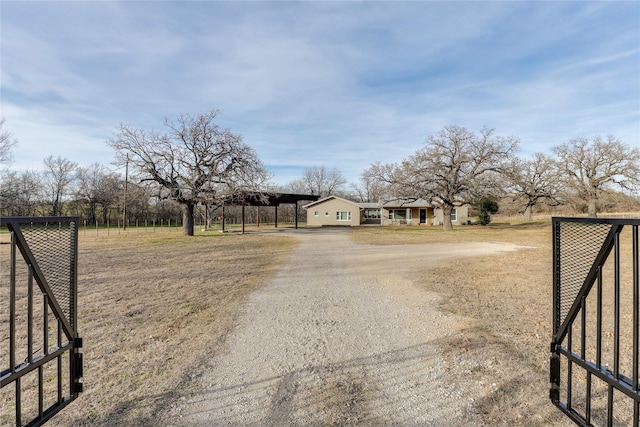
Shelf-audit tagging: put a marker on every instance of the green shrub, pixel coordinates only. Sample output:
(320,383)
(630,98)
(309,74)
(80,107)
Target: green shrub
(486,206)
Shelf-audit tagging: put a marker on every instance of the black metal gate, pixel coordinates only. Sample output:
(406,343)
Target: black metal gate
(40,353)
(594,348)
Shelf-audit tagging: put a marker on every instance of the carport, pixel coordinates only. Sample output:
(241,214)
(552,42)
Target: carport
(259,199)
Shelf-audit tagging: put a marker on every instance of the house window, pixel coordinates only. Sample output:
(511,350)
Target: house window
(326,214)
(372,213)
(454,215)
(397,214)
(343,216)
(316,213)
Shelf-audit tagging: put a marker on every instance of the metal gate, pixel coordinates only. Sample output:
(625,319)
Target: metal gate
(594,348)
(40,353)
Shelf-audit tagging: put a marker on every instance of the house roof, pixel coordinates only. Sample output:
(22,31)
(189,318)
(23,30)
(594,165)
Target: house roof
(370,205)
(400,203)
(317,202)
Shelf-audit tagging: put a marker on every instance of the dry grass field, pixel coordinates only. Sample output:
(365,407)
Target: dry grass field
(147,318)
(509,298)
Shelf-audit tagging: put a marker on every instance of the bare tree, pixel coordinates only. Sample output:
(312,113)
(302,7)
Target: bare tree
(58,175)
(192,163)
(534,181)
(20,193)
(296,186)
(322,181)
(139,208)
(456,167)
(98,187)
(7,142)
(592,167)
(370,189)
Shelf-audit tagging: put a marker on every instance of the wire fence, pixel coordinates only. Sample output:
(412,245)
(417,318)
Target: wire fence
(118,227)
(548,216)
(162,226)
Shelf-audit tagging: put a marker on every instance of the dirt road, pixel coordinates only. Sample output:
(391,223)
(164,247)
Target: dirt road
(341,336)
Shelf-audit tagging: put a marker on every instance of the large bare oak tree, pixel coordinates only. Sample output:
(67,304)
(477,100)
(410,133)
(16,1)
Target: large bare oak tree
(589,167)
(456,167)
(194,162)
(533,181)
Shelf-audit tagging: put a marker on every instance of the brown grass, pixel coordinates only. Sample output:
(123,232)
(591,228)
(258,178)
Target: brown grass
(155,306)
(152,307)
(509,296)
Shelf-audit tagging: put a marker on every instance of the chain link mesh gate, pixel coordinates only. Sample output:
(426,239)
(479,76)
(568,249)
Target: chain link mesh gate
(40,350)
(595,345)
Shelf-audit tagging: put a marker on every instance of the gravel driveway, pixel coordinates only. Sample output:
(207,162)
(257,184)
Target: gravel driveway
(341,336)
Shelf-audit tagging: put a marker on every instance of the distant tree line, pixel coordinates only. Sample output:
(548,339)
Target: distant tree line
(95,193)
(187,171)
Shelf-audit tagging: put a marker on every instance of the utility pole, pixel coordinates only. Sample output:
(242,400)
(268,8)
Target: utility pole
(126,184)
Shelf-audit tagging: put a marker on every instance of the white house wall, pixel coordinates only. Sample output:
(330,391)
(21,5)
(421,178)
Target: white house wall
(462,216)
(324,213)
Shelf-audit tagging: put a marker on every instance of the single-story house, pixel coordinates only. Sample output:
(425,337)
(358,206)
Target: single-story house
(333,210)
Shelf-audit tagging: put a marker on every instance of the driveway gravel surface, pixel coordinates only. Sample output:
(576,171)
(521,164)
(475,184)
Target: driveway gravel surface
(342,335)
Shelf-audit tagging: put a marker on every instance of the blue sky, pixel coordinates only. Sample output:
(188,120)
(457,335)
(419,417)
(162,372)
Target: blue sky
(335,84)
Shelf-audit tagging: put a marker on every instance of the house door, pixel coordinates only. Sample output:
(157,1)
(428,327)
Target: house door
(423,216)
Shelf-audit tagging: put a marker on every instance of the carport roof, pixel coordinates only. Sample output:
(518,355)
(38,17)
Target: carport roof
(256,198)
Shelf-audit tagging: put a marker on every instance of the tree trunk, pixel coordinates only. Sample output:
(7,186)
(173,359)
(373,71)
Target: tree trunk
(187,218)
(105,214)
(592,210)
(447,225)
(207,214)
(55,206)
(528,213)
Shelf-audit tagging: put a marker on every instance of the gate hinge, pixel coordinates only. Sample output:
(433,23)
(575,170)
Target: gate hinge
(77,365)
(554,374)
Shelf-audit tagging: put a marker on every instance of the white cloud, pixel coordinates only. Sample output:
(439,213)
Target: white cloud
(319,83)
(40,135)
